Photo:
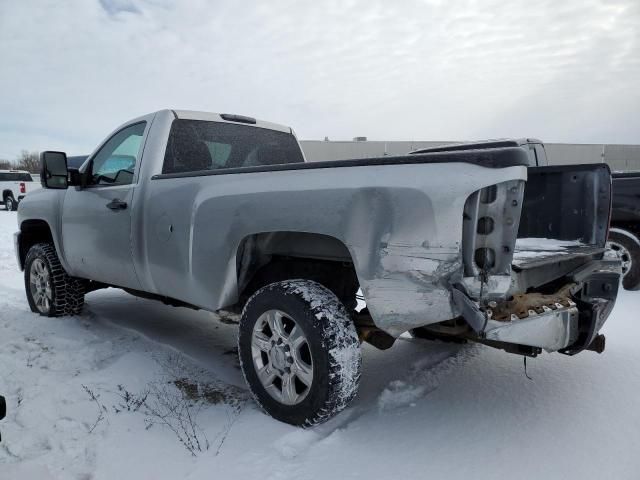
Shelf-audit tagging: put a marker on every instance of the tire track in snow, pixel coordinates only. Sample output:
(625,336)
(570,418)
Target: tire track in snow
(423,378)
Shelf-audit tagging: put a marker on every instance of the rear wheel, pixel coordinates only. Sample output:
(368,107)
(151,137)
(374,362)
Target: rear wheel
(10,204)
(626,246)
(299,352)
(50,291)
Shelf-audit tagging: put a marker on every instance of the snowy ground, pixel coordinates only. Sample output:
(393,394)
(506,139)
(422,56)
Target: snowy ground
(425,410)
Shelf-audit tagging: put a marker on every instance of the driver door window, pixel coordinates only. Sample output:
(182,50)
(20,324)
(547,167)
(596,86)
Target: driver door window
(115,162)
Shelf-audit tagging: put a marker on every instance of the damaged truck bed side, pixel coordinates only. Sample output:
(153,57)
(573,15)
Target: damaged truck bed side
(216,212)
(556,286)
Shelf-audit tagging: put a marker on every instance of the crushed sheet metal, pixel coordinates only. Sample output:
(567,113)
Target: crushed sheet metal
(551,330)
(470,311)
(523,304)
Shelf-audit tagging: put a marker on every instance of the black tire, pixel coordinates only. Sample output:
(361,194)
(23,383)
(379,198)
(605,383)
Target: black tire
(333,349)
(627,246)
(67,293)
(10,204)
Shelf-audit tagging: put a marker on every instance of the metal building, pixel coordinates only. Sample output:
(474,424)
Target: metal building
(619,157)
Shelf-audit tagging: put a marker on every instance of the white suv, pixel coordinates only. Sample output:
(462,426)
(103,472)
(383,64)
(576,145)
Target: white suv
(14,185)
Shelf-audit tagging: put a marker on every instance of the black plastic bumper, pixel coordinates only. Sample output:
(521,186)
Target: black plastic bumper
(595,301)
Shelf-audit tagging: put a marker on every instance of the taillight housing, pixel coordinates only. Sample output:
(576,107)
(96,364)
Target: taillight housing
(23,188)
(491,220)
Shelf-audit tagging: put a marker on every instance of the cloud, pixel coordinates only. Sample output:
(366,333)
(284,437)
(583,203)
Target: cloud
(429,70)
(113,7)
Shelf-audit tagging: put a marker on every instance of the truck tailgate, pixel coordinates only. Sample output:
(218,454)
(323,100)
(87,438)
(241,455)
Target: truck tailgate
(564,221)
(565,213)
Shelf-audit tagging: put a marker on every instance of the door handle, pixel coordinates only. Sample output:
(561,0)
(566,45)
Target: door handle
(116,204)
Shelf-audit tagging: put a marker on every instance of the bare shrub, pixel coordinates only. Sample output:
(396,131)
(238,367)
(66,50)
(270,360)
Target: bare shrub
(130,402)
(102,410)
(175,401)
(172,408)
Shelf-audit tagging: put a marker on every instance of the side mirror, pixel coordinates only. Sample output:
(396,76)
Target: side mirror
(54,170)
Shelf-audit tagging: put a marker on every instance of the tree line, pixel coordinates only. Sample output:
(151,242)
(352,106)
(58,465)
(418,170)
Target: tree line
(29,161)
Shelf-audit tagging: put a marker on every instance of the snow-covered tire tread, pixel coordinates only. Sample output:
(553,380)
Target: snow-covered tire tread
(68,292)
(338,337)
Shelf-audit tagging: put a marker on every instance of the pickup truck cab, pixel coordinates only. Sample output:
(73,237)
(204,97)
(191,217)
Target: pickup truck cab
(216,211)
(14,185)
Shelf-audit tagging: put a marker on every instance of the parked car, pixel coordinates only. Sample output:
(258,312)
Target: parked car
(14,185)
(624,236)
(3,410)
(212,212)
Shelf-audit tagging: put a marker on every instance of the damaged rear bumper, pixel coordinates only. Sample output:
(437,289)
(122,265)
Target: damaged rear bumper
(567,321)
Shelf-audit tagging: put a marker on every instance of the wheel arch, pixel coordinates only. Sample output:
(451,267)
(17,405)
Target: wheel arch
(630,234)
(32,231)
(630,227)
(267,257)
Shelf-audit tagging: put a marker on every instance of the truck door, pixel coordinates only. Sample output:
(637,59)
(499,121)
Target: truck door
(96,219)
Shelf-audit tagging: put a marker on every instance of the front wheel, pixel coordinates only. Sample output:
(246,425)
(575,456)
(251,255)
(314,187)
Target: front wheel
(50,291)
(299,352)
(626,246)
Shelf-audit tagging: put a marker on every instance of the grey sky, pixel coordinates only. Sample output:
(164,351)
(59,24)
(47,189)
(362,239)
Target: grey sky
(563,71)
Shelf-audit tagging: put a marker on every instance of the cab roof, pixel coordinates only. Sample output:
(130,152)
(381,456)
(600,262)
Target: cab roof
(230,118)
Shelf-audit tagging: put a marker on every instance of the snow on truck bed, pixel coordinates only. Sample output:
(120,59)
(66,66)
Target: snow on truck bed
(425,409)
(545,244)
(531,252)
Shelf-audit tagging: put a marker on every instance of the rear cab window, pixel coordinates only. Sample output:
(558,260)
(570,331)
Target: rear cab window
(198,145)
(15,177)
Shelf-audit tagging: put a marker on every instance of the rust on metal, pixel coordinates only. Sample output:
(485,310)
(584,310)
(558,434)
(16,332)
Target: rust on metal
(525,304)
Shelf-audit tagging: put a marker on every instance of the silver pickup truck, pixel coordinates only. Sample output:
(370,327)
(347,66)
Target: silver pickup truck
(221,212)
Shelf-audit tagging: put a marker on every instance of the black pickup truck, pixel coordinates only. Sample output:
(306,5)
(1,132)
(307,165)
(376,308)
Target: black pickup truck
(624,235)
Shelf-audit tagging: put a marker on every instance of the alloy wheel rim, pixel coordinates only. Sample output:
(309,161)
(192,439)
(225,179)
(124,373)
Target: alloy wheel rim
(282,357)
(623,254)
(40,285)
